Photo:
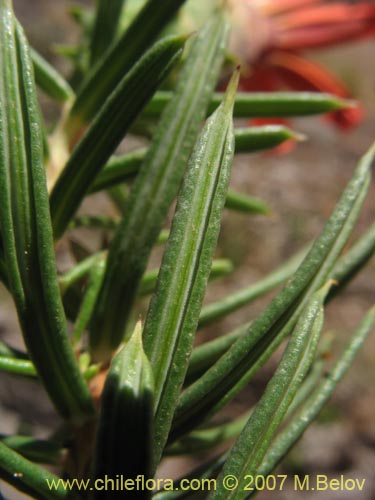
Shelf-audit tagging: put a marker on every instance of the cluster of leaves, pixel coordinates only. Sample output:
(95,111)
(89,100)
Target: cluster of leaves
(158,389)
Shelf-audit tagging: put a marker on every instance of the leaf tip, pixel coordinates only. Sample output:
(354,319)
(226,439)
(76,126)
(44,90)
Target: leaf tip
(232,89)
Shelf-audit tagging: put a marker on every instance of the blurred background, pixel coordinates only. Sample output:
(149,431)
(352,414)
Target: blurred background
(302,188)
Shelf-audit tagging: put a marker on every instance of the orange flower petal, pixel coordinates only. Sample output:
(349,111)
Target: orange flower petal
(274,7)
(323,25)
(323,36)
(301,74)
(332,14)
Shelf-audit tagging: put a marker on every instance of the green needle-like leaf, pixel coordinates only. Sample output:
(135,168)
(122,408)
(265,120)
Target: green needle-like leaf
(80,270)
(234,301)
(252,139)
(28,477)
(247,140)
(248,204)
(264,104)
(119,169)
(155,188)
(26,227)
(110,70)
(107,18)
(318,398)
(17,366)
(11,352)
(125,427)
(219,268)
(205,439)
(347,267)
(89,300)
(235,368)
(109,128)
(205,355)
(254,441)
(354,260)
(36,450)
(94,222)
(49,80)
(174,310)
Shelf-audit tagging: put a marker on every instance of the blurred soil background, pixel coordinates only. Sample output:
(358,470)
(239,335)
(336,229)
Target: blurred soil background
(302,188)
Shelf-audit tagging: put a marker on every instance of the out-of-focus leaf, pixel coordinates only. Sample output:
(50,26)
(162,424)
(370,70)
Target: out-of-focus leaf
(205,355)
(247,140)
(105,76)
(155,188)
(204,439)
(89,300)
(36,450)
(49,80)
(109,127)
(17,366)
(267,104)
(235,368)
(107,19)
(248,204)
(232,302)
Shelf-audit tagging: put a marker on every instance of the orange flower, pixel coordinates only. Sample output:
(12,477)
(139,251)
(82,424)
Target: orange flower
(271,34)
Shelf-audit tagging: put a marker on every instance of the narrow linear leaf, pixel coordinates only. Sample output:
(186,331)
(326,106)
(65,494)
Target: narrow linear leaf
(247,140)
(119,196)
(248,204)
(109,127)
(205,439)
(94,222)
(107,18)
(26,227)
(354,260)
(236,300)
(17,366)
(235,368)
(119,169)
(315,402)
(49,80)
(347,267)
(155,188)
(124,438)
(252,444)
(264,104)
(307,386)
(80,270)
(89,300)
(253,139)
(11,352)
(205,355)
(219,268)
(36,450)
(174,309)
(84,267)
(106,75)
(29,478)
